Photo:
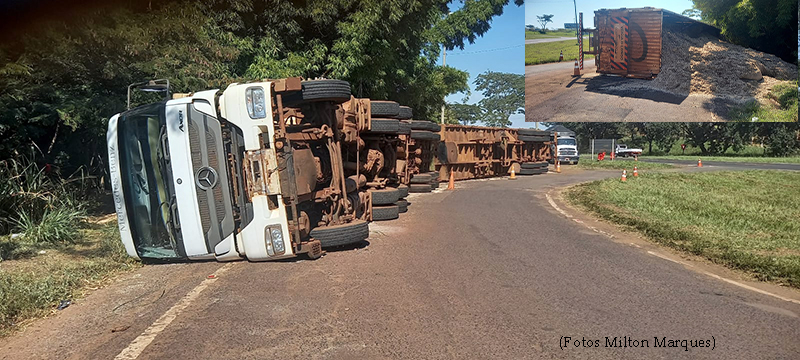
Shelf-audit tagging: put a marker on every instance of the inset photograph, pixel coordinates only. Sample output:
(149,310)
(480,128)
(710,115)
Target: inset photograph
(661,61)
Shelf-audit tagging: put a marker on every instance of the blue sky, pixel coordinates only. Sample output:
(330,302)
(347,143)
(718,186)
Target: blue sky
(564,10)
(500,49)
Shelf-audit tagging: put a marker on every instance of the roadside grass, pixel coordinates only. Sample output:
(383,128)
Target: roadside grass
(751,159)
(782,109)
(621,164)
(745,220)
(548,52)
(549,34)
(33,286)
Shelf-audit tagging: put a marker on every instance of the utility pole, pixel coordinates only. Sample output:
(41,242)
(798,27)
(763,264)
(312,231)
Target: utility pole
(577,33)
(444,63)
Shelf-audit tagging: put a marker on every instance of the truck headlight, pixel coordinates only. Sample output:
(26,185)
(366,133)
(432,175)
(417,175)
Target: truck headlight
(276,240)
(256,102)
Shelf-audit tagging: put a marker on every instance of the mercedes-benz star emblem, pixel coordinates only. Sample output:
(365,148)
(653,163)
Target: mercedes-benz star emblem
(206,178)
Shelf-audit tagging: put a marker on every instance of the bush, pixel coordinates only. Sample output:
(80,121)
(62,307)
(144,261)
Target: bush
(56,225)
(38,204)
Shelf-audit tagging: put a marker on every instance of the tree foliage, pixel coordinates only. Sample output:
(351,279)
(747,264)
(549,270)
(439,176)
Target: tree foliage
(503,96)
(63,77)
(765,25)
(544,20)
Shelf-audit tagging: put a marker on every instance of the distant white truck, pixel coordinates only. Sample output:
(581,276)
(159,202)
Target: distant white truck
(567,150)
(622,150)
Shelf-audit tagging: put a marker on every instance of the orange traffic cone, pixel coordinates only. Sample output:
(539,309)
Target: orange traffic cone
(451,185)
(624,176)
(577,69)
(699,163)
(635,172)
(513,174)
(558,167)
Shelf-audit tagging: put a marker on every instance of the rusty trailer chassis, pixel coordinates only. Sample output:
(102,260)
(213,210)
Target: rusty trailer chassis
(472,152)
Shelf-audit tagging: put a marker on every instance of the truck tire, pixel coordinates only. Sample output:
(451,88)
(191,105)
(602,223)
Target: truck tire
(432,126)
(380,108)
(534,138)
(424,135)
(419,188)
(532,132)
(420,179)
(402,205)
(434,179)
(533,171)
(418,124)
(386,212)
(342,234)
(405,112)
(326,90)
(534,165)
(385,196)
(403,189)
(404,128)
(384,126)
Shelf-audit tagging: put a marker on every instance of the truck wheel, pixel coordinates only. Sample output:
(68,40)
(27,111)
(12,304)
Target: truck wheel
(534,165)
(404,112)
(384,126)
(381,108)
(404,129)
(532,171)
(424,135)
(421,179)
(418,124)
(342,234)
(402,205)
(419,188)
(534,138)
(384,196)
(434,179)
(326,90)
(532,132)
(432,126)
(386,212)
(403,189)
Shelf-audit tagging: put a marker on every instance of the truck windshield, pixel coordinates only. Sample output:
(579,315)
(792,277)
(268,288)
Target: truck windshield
(567,142)
(145,175)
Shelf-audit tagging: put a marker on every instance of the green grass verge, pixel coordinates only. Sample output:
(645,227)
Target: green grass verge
(548,52)
(751,159)
(549,34)
(34,286)
(621,164)
(785,109)
(745,220)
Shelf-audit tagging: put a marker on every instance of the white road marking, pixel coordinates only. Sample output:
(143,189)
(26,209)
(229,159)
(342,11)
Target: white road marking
(668,259)
(729,281)
(137,346)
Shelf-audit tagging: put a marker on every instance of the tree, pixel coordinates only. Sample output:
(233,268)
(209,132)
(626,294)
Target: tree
(464,114)
(62,77)
(764,25)
(544,20)
(662,134)
(503,96)
(780,139)
(717,138)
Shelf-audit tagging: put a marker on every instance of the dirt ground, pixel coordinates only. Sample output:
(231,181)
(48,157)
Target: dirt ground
(552,94)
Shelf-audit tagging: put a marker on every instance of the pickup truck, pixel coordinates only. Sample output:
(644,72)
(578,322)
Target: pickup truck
(623,151)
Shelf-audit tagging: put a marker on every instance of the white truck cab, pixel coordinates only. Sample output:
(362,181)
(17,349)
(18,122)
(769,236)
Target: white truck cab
(200,177)
(567,150)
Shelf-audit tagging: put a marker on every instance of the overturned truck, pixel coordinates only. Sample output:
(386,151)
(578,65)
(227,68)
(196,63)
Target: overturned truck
(269,170)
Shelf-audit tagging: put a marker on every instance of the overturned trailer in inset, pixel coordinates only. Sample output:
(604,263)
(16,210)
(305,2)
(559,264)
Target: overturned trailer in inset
(627,42)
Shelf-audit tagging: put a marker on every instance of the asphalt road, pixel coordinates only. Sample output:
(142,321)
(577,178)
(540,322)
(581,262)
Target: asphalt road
(490,270)
(552,94)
